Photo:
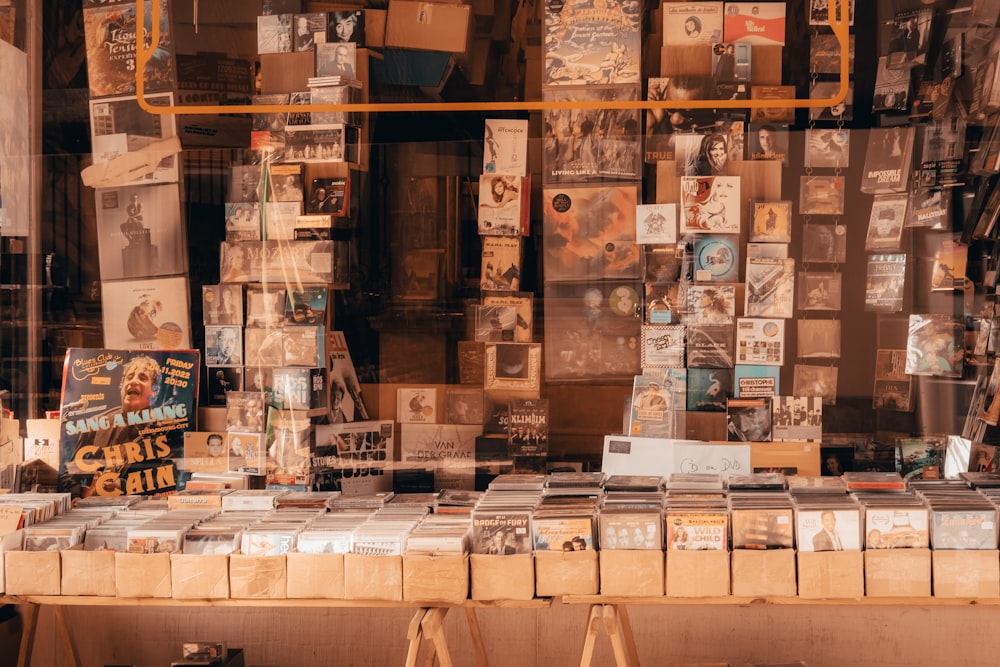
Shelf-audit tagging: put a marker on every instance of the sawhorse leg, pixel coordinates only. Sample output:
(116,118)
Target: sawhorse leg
(428,623)
(477,637)
(29,616)
(616,623)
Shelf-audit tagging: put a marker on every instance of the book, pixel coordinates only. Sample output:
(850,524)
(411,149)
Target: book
(591,46)
(111,397)
(755,23)
(147,314)
(760,341)
(658,402)
(504,203)
(819,290)
(888,160)
(501,263)
(797,418)
(589,233)
(110,35)
(710,204)
(140,233)
(581,145)
(528,427)
(505,146)
(935,345)
(770,287)
(118,125)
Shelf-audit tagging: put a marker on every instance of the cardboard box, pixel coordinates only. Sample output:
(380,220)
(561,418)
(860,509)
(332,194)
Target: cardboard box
(315,575)
(502,577)
(32,572)
(428,26)
(8,542)
(898,572)
(566,573)
(832,574)
(632,573)
(763,573)
(375,27)
(436,578)
(142,575)
(88,573)
(257,577)
(199,577)
(960,574)
(286,72)
(697,574)
(373,577)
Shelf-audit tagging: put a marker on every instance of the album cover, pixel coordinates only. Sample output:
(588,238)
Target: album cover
(825,54)
(819,381)
(140,232)
(762,528)
(274,33)
(505,146)
(935,345)
(770,287)
(592,330)
(821,195)
(447,451)
(265,306)
(889,160)
(692,23)
(591,46)
(501,264)
(205,452)
(221,380)
(983,458)
(662,345)
(355,458)
(269,121)
(419,280)
(885,226)
(513,366)
(332,142)
(286,261)
(503,205)
(710,204)
(760,341)
(147,314)
(245,183)
(329,196)
(755,23)
(656,223)
(771,222)
(581,145)
(756,380)
(658,402)
(950,259)
(494,324)
(110,32)
(463,405)
(709,304)
(663,304)
(308,304)
(819,290)
(528,427)
(590,233)
(708,389)
(768,141)
(922,457)
(820,12)
(278,220)
(715,258)
(828,529)
(663,263)
(224,345)
(748,419)
(416,405)
(242,221)
(731,70)
(693,530)
(797,418)
(665,124)
(892,87)
(631,529)
(697,154)
(337,59)
(296,117)
(893,394)
(303,346)
(830,90)
(471,362)
(112,397)
(971,528)
(910,35)
(828,147)
(929,207)
(501,532)
(119,125)
(342,94)
(778,115)
(563,532)
(818,339)
(264,346)
(523,304)
(824,243)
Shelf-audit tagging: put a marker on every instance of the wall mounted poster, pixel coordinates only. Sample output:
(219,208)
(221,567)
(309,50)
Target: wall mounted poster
(123,419)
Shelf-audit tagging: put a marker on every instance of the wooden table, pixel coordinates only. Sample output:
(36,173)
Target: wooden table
(425,626)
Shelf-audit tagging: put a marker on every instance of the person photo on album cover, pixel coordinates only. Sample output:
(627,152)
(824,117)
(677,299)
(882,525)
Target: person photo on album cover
(345,27)
(827,538)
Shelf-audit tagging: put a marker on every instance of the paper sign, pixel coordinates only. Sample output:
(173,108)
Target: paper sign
(10,518)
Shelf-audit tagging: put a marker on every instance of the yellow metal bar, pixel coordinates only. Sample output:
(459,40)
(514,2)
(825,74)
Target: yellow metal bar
(839,27)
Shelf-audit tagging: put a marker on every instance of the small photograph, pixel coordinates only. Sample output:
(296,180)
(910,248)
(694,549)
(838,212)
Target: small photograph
(819,290)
